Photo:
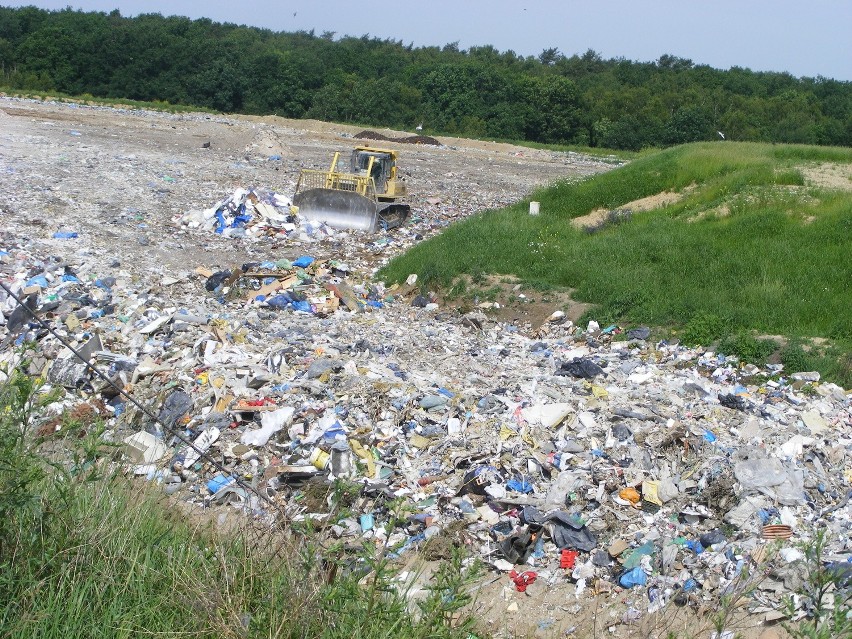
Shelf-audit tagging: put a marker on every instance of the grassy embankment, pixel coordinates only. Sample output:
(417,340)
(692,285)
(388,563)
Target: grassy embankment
(752,247)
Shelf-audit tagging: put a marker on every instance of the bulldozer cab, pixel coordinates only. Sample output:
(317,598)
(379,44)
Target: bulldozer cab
(382,168)
(367,198)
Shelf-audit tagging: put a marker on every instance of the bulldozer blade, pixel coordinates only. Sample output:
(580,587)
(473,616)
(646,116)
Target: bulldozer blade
(338,209)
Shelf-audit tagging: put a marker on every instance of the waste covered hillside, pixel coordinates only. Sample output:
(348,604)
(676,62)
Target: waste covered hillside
(605,479)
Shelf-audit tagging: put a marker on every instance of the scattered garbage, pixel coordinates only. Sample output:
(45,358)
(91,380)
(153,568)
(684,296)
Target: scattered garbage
(641,470)
(245,212)
(523,580)
(629,482)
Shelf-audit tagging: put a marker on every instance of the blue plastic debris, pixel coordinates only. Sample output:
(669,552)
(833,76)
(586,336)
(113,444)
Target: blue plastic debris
(520,484)
(635,577)
(106,283)
(334,432)
(219,482)
(538,553)
(221,224)
(38,280)
(695,546)
(282,300)
(767,515)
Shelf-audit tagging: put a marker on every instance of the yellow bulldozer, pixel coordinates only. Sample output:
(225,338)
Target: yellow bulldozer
(368,197)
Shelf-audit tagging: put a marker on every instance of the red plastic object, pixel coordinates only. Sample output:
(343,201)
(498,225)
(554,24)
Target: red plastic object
(263,401)
(523,579)
(568,558)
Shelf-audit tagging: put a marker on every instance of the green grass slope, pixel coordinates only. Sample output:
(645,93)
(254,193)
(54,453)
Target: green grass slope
(750,246)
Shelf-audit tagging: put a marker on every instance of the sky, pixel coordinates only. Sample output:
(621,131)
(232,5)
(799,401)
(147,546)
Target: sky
(802,37)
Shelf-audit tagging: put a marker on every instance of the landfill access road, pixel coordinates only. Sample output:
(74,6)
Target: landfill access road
(610,484)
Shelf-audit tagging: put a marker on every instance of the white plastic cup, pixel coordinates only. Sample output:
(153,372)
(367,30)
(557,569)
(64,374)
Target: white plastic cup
(534,206)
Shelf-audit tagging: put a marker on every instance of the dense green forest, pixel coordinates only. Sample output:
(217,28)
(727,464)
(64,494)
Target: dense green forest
(478,92)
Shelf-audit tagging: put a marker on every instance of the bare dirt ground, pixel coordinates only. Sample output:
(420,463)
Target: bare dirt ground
(659,200)
(829,175)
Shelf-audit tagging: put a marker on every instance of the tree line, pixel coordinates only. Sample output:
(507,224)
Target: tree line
(478,92)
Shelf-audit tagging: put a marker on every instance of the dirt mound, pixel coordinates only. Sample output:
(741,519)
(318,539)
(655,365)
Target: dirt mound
(599,217)
(829,175)
(411,139)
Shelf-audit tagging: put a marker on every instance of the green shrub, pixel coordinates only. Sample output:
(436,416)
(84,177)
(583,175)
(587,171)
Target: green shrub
(703,329)
(794,358)
(26,509)
(747,348)
(833,360)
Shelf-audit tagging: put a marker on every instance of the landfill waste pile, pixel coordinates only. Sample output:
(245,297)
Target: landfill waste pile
(611,464)
(161,178)
(245,212)
(410,139)
(579,462)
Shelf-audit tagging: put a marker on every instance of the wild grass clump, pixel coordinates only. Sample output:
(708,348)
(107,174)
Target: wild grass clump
(746,242)
(85,553)
(747,347)
(703,329)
